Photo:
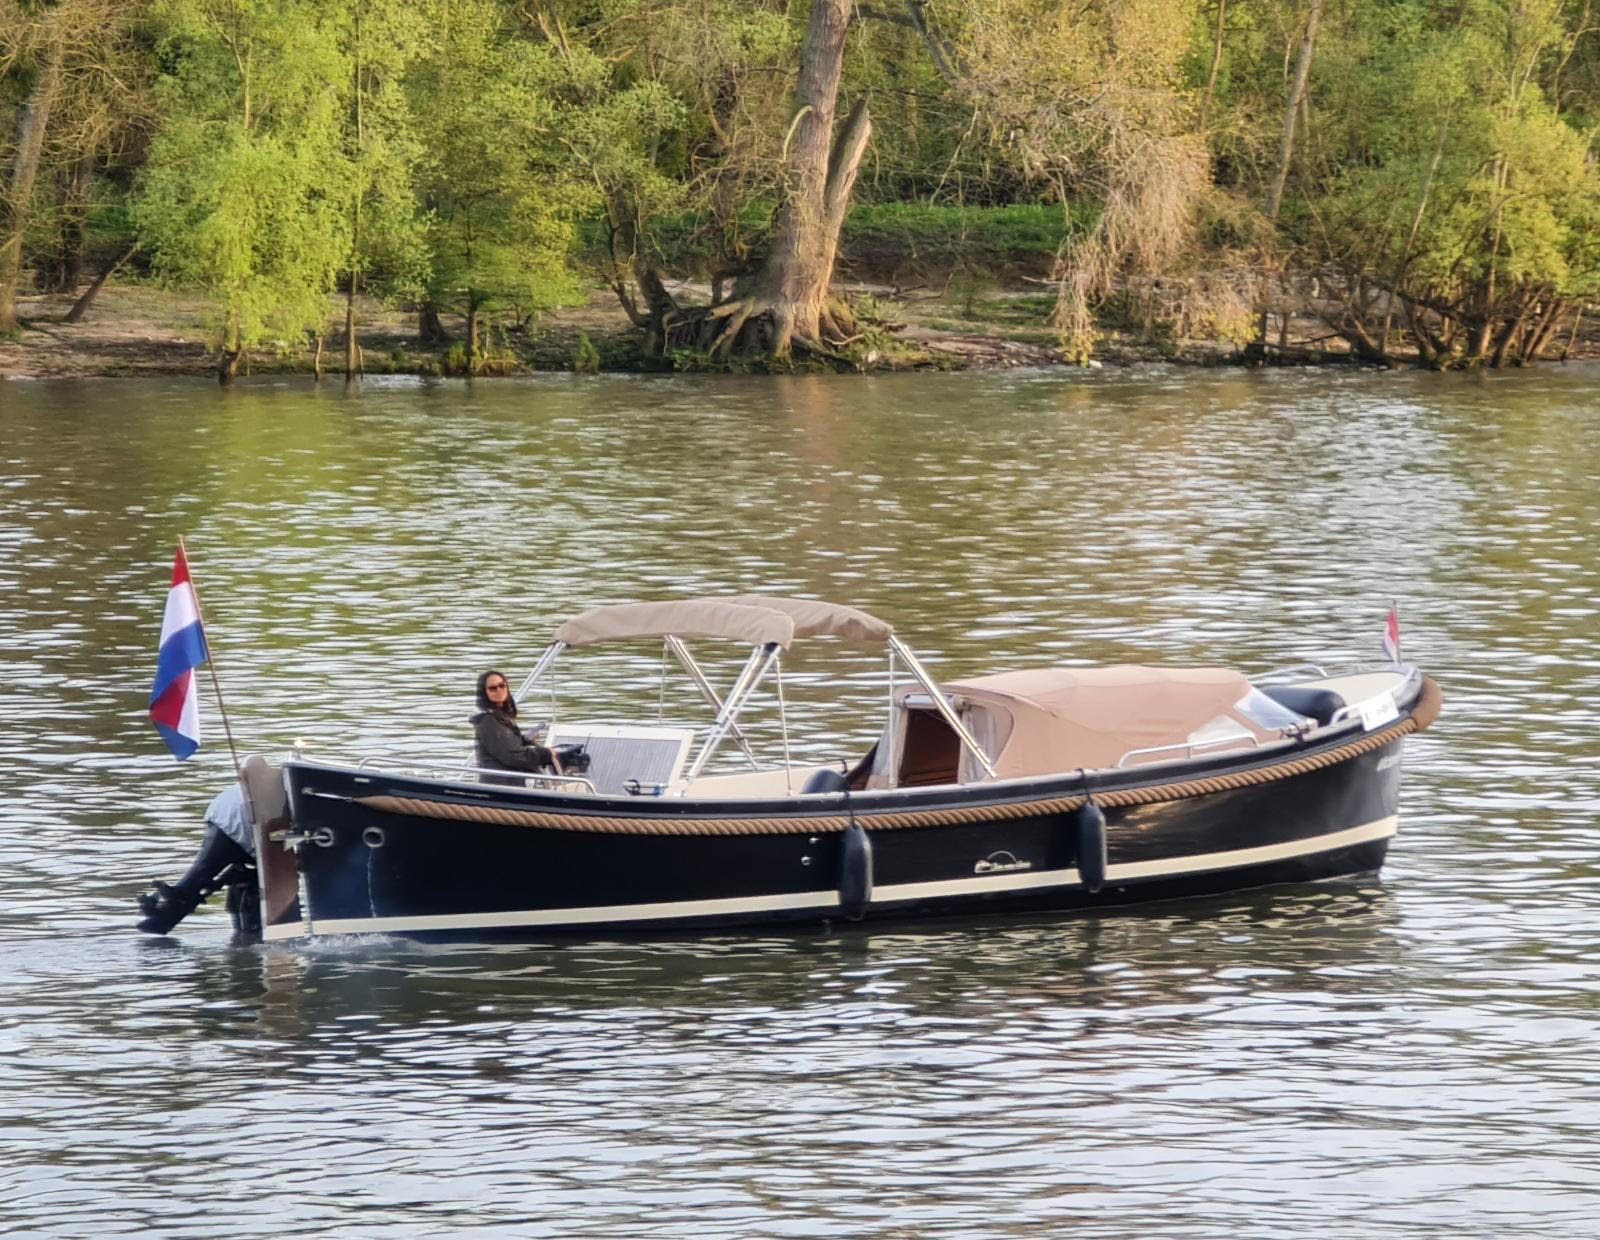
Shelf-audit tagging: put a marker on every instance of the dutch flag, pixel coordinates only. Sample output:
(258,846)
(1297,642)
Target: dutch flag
(174,702)
(1391,635)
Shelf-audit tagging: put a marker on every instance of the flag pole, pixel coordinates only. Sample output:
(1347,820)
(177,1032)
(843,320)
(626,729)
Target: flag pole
(211,664)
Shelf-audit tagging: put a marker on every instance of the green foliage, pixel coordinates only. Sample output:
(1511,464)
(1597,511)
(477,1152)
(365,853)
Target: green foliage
(382,40)
(695,361)
(586,358)
(501,211)
(459,153)
(244,189)
(880,236)
(1018,230)
(1453,173)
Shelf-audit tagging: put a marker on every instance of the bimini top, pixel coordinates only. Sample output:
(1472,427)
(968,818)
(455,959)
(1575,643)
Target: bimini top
(750,618)
(1056,719)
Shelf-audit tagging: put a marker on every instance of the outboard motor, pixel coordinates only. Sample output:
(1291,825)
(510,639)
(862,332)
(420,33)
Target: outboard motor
(243,901)
(213,867)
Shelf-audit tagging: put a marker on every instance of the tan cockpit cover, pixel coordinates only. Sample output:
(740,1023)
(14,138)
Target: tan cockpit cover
(680,618)
(814,618)
(1057,719)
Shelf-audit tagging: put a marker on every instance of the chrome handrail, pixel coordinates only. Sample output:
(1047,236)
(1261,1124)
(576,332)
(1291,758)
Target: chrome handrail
(423,764)
(1190,746)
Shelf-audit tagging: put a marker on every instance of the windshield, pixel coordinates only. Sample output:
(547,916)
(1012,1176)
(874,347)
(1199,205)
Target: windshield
(1274,716)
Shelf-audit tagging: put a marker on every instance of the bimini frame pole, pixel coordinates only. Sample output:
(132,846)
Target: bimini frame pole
(761,659)
(914,665)
(543,665)
(687,662)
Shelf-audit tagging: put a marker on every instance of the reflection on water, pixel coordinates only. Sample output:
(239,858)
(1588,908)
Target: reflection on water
(1412,1054)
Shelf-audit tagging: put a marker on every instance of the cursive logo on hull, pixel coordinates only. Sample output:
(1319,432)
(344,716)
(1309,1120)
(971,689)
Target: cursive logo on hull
(1001,863)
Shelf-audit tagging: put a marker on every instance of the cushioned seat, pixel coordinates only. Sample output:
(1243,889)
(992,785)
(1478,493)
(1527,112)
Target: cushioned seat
(825,780)
(1318,704)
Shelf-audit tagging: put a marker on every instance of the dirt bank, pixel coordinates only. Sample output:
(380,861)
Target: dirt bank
(141,329)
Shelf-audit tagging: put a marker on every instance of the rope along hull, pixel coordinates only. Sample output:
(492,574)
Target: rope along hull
(381,854)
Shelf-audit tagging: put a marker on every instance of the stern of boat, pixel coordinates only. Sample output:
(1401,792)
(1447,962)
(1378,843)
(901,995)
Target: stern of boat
(276,862)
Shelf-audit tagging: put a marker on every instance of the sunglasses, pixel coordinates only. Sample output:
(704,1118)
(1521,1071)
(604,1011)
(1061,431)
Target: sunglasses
(498,687)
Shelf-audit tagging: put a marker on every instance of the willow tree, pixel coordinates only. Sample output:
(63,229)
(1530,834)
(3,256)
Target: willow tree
(381,41)
(246,191)
(618,121)
(1091,99)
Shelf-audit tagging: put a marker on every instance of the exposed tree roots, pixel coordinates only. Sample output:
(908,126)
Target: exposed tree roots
(757,326)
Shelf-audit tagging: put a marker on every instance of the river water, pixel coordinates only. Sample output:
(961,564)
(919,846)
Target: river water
(1413,1055)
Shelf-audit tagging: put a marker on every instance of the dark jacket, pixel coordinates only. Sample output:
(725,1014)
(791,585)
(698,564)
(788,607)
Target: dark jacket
(501,746)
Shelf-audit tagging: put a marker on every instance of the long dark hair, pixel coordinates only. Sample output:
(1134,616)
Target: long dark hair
(510,705)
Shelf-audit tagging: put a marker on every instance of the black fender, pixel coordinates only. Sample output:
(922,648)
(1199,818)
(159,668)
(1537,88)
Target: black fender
(1089,828)
(855,872)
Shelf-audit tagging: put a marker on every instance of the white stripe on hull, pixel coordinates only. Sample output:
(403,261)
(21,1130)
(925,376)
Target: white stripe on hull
(821,901)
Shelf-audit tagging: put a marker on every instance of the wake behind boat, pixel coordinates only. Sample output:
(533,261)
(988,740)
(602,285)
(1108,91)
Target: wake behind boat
(1032,790)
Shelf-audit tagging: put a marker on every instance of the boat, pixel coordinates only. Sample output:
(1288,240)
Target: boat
(1046,789)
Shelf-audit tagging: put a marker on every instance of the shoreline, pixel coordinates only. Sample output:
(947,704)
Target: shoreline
(141,330)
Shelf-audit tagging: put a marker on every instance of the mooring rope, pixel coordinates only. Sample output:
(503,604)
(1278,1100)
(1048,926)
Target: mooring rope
(1422,715)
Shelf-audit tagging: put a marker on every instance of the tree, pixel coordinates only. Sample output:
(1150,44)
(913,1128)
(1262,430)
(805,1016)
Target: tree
(247,189)
(613,115)
(500,210)
(676,111)
(39,42)
(381,39)
(80,72)
(1294,104)
(1090,98)
(786,301)
(1456,205)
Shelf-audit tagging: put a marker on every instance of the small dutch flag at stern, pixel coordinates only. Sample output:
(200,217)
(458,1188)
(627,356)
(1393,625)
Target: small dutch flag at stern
(174,700)
(1391,635)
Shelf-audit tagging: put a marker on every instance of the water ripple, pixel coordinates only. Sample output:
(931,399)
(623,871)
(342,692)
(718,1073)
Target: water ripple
(1411,1055)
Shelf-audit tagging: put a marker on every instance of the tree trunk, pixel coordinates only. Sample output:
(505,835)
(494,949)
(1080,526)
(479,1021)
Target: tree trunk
(1291,111)
(472,330)
(1216,62)
(1539,339)
(352,353)
(787,303)
(81,306)
(430,331)
(628,263)
(14,208)
(232,352)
